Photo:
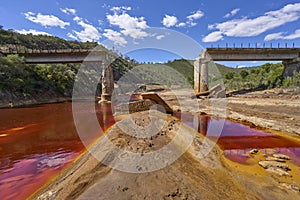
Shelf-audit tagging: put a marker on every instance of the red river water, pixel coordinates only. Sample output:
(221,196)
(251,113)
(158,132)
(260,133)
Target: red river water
(39,142)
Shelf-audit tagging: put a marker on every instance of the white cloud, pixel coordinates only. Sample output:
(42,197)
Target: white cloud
(246,27)
(68,11)
(33,32)
(130,26)
(190,19)
(213,37)
(169,21)
(89,32)
(46,20)
(115,36)
(196,15)
(70,35)
(135,33)
(280,35)
(181,24)
(232,13)
(159,37)
(120,8)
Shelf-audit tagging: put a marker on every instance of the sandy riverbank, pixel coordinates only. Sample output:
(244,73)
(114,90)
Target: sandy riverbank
(189,177)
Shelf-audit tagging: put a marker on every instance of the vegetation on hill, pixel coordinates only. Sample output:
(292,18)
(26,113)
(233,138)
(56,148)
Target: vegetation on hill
(20,80)
(266,76)
(184,67)
(14,40)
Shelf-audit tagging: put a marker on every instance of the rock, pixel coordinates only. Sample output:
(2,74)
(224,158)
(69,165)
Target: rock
(270,151)
(49,195)
(253,151)
(290,187)
(278,171)
(269,164)
(281,156)
(270,158)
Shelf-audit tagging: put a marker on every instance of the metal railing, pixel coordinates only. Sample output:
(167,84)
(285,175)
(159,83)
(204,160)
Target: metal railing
(255,46)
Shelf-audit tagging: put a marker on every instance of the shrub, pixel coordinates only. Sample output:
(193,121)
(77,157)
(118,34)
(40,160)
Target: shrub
(244,73)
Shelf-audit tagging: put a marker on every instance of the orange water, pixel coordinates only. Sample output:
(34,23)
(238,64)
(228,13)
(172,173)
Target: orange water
(37,143)
(237,139)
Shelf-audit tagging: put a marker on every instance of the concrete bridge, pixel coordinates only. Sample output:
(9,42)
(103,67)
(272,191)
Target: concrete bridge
(65,56)
(289,56)
(58,56)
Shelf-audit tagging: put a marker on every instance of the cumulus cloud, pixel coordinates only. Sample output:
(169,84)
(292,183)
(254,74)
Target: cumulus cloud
(213,37)
(232,13)
(68,11)
(169,21)
(89,32)
(190,19)
(196,15)
(159,37)
(33,32)
(246,27)
(130,26)
(46,20)
(115,36)
(280,35)
(181,24)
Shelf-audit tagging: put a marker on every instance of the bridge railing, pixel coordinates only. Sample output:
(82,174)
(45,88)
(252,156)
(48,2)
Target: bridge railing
(23,50)
(255,45)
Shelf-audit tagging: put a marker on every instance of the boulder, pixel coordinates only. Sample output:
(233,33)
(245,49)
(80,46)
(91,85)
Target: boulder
(270,158)
(268,164)
(254,151)
(281,156)
(278,171)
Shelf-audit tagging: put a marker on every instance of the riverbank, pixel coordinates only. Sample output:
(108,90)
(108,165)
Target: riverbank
(190,177)
(16,100)
(267,109)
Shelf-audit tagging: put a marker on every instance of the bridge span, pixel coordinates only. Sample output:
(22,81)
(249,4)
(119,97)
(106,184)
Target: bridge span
(58,56)
(290,58)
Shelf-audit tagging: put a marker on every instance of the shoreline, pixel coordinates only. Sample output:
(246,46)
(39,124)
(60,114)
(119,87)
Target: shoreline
(86,177)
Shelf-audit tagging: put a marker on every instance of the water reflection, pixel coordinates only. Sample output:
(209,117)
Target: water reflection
(237,139)
(37,143)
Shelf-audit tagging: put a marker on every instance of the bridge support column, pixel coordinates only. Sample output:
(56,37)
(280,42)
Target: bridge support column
(107,81)
(204,76)
(201,75)
(290,67)
(197,76)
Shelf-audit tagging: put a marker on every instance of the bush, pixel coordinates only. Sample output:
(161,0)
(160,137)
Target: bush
(229,75)
(244,73)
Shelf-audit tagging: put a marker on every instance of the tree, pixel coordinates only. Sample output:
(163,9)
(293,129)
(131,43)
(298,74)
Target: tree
(244,73)
(229,75)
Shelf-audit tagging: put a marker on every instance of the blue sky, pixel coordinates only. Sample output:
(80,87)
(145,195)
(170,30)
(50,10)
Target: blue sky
(210,22)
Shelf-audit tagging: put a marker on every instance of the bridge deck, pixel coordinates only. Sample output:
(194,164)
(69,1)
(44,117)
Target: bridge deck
(58,56)
(252,54)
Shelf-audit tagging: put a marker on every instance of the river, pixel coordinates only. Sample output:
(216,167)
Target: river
(39,142)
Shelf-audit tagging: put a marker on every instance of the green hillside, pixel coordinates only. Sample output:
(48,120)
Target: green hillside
(12,39)
(257,77)
(20,81)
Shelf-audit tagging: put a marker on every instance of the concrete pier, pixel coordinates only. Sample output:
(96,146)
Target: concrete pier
(290,58)
(107,81)
(290,67)
(201,74)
